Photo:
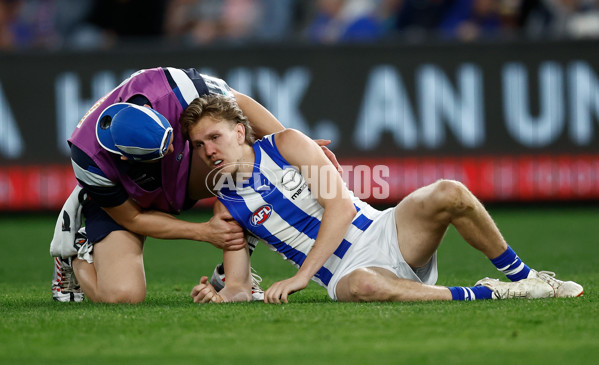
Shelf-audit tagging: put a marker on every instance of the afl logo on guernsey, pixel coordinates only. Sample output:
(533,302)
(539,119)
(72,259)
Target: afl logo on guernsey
(260,215)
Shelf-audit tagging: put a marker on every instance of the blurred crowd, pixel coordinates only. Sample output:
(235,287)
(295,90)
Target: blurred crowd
(101,24)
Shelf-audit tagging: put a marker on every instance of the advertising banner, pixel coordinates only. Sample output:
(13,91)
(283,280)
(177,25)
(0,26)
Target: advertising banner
(514,122)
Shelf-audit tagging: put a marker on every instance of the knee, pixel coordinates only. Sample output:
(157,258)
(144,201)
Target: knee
(363,286)
(122,294)
(452,197)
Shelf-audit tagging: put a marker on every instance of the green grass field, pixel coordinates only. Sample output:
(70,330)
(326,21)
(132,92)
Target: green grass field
(168,328)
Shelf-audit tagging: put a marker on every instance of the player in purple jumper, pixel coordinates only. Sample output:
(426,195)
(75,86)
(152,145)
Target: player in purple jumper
(136,170)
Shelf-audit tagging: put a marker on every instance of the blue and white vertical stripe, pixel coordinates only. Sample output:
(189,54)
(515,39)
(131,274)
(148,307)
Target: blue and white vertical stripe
(285,216)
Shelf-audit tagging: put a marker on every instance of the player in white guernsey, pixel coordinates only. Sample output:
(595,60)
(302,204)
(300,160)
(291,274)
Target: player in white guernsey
(285,191)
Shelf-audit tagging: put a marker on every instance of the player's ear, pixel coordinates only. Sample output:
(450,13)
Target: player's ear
(240,130)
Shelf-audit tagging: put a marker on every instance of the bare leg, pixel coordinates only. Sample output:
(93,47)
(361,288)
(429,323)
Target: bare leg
(87,278)
(377,284)
(423,216)
(117,274)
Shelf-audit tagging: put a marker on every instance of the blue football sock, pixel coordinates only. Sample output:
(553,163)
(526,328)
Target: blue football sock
(510,264)
(470,293)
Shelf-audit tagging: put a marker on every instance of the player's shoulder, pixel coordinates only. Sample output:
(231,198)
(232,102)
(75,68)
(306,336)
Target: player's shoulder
(81,158)
(205,84)
(293,145)
(85,167)
(291,139)
(217,86)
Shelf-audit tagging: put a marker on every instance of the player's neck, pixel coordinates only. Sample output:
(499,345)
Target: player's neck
(248,158)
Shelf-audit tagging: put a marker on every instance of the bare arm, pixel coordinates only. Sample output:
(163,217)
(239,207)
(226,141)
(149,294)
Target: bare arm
(331,193)
(238,287)
(263,122)
(220,230)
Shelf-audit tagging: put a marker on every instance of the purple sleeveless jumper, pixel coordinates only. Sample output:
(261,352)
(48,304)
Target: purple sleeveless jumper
(166,100)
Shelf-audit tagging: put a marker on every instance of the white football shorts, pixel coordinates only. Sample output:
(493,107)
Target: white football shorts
(377,247)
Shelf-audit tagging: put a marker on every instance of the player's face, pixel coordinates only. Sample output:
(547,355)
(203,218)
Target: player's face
(219,143)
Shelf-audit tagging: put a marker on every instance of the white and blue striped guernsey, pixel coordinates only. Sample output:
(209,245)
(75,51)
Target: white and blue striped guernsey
(276,205)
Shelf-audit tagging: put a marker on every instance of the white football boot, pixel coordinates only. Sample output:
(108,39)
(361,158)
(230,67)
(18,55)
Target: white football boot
(530,288)
(65,287)
(257,292)
(218,282)
(561,289)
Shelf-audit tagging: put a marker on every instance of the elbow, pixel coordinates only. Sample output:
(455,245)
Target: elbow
(136,229)
(345,212)
(340,210)
(349,209)
(130,225)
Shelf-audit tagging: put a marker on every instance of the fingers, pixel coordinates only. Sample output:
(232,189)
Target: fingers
(211,297)
(276,294)
(196,289)
(229,225)
(331,156)
(271,297)
(235,238)
(280,291)
(204,292)
(322,142)
(236,243)
(224,234)
(234,246)
(225,215)
(225,221)
(230,245)
(199,293)
(284,297)
(234,230)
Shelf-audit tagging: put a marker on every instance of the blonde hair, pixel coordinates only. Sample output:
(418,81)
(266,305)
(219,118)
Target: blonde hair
(218,107)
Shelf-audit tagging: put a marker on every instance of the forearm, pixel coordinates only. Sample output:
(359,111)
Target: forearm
(335,223)
(164,226)
(328,188)
(238,287)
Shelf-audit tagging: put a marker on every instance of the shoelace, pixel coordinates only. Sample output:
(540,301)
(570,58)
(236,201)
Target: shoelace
(549,278)
(513,294)
(256,280)
(546,273)
(68,281)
